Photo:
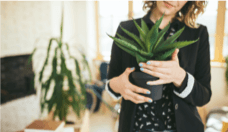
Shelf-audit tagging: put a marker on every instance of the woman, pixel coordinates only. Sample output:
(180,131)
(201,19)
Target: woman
(186,76)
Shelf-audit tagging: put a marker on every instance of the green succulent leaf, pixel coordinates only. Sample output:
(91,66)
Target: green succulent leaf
(161,42)
(171,39)
(140,58)
(150,37)
(126,49)
(160,37)
(165,55)
(124,43)
(144,26)
(142,34)
(178,45)
(133,53)
(145,54)
(135,37)
(128,40)
(153,34)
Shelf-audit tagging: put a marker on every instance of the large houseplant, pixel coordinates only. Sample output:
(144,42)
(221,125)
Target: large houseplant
(150,45)
(69,85)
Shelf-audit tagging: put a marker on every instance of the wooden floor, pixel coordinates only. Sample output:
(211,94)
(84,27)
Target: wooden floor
(101,122)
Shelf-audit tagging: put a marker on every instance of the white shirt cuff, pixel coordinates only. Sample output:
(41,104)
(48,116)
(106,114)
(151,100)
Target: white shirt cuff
(110,93)
(188,89)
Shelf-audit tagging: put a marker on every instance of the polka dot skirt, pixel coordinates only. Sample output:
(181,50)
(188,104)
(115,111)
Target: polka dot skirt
(158,115)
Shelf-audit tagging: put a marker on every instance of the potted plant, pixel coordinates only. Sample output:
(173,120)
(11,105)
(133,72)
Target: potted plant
(150,46)
(68,85)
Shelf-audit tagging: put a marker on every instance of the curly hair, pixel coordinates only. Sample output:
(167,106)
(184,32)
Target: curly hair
(188,13)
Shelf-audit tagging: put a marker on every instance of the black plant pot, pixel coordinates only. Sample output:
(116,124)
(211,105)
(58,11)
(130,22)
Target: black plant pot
(140,79)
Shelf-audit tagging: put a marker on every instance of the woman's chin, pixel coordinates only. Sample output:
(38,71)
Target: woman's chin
(167,11)
(163,11)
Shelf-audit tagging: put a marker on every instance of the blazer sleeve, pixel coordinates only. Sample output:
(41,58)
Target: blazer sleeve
(183,85)
(113,94)
(115,65)
(198,89)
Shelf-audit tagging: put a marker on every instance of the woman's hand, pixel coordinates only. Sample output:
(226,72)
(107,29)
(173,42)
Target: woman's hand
(122,85)
(166,71)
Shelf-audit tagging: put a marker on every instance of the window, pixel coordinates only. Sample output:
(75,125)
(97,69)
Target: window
(209,20)
(111,13)
(137,9)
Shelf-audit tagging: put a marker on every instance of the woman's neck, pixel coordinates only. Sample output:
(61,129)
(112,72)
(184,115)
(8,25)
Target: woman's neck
(155,15)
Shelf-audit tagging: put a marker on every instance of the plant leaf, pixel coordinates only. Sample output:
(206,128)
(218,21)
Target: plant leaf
(160,37)
(165,55)
(82,86)
(152,35)
(161,42)
(126,49)
(178,44)
(140,58)
(124,43)
(58,93)
(142,34)
(135,37)
(128,40)
(129,48)
(144,26)
(172,38)
(145,54)
(46,61)
(51,102)
(61,28)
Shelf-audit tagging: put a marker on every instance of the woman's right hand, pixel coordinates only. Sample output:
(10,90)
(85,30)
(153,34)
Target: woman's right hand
(123,86)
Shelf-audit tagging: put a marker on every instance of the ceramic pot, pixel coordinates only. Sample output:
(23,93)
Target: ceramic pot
(140,79)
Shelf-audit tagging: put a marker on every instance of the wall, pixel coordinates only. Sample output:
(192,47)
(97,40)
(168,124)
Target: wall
(21,24)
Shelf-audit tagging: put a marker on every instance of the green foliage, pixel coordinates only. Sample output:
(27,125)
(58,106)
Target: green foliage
(74,95)
(150,43)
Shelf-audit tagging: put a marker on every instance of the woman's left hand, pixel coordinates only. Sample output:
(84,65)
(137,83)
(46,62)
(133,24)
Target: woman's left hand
(167,71)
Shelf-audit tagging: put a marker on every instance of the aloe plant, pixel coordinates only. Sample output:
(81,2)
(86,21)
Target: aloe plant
(150,44)
(74,95)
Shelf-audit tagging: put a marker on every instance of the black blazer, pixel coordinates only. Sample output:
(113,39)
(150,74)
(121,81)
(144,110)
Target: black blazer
(195,59)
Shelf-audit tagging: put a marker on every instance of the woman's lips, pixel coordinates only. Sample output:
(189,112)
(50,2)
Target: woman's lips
(167,4)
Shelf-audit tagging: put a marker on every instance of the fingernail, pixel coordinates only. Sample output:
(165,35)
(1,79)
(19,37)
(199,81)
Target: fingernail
(140,64)
(148,92)
(141,69)
(132,68)
(150,100)
(148,83)
(148,63)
